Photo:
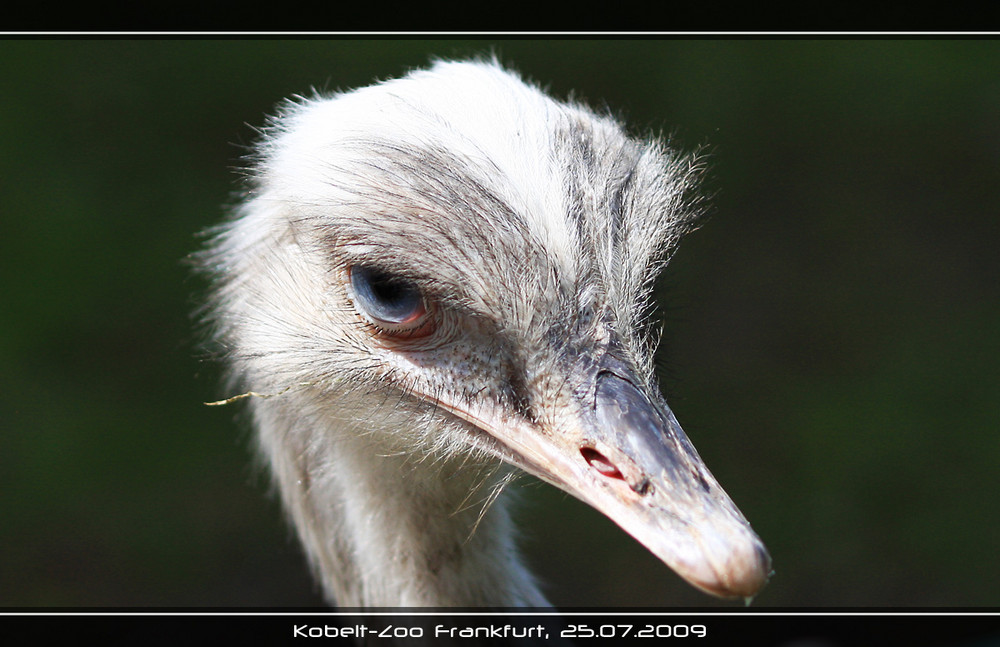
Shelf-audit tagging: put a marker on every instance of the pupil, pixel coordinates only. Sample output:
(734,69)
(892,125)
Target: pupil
(387,290)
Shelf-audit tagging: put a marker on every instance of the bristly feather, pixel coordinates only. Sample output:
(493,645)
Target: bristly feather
(530,223)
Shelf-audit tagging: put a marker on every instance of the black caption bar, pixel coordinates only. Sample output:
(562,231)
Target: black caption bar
(536,629)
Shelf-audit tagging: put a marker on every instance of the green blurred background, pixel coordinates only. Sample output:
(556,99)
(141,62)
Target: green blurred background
(832,332)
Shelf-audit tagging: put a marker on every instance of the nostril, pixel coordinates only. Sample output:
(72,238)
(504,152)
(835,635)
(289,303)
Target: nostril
(599,462)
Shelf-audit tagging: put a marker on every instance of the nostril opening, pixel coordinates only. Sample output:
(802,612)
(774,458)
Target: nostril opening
(599,462)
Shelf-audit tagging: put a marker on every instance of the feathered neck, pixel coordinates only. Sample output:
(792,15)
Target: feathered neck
(383,527)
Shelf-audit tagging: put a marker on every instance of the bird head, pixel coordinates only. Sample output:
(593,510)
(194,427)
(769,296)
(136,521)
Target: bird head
(469,262)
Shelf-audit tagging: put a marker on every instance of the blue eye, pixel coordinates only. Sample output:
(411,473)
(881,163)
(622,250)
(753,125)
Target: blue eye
(394,304)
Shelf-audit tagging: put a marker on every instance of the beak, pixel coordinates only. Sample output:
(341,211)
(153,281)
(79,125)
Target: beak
(625,454)
(651,482)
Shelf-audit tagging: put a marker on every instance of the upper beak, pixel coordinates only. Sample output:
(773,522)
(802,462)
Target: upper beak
(625,454)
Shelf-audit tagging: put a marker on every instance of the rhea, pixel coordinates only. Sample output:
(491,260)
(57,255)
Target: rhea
(439,280)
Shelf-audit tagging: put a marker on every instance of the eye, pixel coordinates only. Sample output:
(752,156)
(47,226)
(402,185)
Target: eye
(393,304)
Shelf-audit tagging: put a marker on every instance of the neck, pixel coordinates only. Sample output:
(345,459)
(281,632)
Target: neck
(385,528)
